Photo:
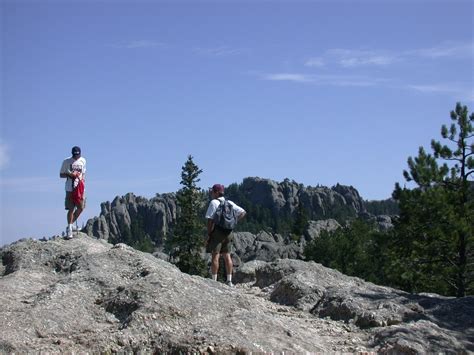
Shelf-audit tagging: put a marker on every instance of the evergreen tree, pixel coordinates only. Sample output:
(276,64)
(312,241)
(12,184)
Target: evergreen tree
(358,249)
(187,241)
(301,221)
(434,233)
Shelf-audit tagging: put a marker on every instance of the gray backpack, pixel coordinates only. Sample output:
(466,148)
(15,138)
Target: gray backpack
(225,216)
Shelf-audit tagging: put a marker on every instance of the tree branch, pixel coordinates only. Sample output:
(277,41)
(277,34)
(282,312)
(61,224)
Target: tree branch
(453,159)
(450,283)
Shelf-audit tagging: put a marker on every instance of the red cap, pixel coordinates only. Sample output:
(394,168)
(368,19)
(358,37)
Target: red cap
(218,188)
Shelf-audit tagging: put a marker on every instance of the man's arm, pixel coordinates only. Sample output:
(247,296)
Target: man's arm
(72,175)
(210,228)
(69,174)
(241,216)
(66,173)
(241,212)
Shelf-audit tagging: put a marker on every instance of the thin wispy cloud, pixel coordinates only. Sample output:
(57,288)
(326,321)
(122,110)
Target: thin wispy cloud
(432,88)
(445,50)
(4,155)
(220,51)
(457,91)
(298,78)
(139,44)
(315,62)
(353,58)
(460,92)
(332,80)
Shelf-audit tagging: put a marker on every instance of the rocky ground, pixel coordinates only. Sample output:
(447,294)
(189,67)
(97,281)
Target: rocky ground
(87,295)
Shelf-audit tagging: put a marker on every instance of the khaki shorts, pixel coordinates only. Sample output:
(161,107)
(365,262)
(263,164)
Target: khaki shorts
(219,241)
(70,205)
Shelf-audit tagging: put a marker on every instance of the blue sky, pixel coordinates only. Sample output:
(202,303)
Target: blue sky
(322,92)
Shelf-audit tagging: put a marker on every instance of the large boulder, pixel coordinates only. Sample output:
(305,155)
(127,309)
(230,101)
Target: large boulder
(85,295)
(327,293)
(316,227)
(264,246)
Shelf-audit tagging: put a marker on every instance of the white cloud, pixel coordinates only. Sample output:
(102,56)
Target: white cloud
(458,92)
(4,155)
(317,62)
(299,78)
(430,88)
(139,44)
(333,80)
(370,60)
(220,51)
(353,58)
(448,49)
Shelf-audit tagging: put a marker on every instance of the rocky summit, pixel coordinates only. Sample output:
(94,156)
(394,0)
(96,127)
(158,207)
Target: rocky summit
(85,294)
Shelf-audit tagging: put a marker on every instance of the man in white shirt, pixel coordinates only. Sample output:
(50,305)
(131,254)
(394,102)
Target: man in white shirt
(74,170)
(219,239)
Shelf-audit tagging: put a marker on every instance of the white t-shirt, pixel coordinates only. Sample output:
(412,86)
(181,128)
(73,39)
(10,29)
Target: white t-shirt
(70,165)
(211,210)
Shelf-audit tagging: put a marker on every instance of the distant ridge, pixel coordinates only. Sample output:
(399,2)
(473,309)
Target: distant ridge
(270,205)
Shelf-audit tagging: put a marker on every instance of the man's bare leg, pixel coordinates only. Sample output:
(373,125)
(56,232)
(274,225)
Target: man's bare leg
(215,263)
(77,213)
(228,267)
(70,216)
(228,263)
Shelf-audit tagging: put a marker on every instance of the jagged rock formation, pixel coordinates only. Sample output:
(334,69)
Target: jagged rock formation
(154,215)
(283,198)
(87,295)
(157,215)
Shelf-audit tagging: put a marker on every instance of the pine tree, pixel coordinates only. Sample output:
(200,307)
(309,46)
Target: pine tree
(301,220)
(436,225)
(358,249)
(187,241)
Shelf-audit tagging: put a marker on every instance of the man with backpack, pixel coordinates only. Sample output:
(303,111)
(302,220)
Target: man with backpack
(74,170)
(222,216)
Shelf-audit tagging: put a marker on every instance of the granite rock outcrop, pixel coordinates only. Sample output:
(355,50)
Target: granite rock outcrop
(156,216)
(88,295)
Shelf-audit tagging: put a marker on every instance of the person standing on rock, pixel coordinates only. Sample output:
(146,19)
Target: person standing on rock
(222,216)
(73,170)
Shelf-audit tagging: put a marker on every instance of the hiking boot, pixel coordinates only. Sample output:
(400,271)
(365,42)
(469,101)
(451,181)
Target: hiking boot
(68,233)
(229,283)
